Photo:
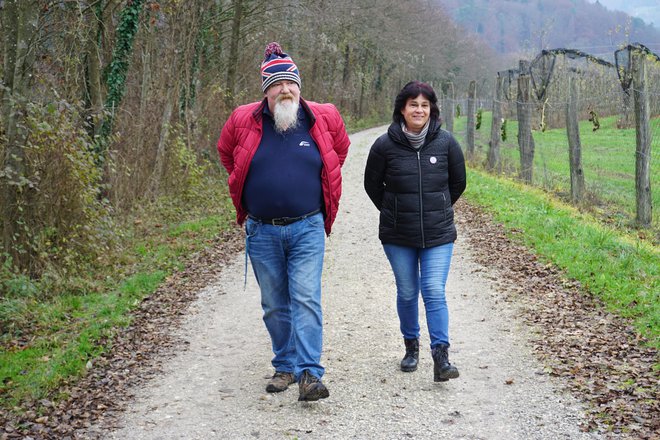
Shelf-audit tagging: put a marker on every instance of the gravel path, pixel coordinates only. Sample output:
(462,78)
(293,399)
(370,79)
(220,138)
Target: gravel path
(215,386)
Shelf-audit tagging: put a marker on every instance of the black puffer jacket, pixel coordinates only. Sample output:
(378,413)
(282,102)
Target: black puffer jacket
(414,190)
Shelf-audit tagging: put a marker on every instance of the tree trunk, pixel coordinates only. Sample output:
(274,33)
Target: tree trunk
(643,152)
(93,62)
(627,113)
(233,52)
(574,146)
(20,25)
(118,69)
(162,143)
(448,110)
(145,94)
(314,76)
(346,76)
(493,162)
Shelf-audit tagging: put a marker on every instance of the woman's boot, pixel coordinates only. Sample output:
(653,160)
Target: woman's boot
(442,369)
(409,361)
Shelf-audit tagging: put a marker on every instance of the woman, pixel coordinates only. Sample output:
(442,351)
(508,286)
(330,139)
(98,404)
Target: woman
(414,175)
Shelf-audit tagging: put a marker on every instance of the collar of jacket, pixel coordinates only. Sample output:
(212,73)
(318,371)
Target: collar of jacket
(397,135)
(257,114)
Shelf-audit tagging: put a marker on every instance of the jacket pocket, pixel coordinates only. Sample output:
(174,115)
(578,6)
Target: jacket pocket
(389,211)
(448,212)
(445,206)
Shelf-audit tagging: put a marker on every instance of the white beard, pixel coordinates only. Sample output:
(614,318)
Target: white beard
(286,115)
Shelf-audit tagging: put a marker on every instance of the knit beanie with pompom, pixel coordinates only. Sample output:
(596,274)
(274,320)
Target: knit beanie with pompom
(277,66)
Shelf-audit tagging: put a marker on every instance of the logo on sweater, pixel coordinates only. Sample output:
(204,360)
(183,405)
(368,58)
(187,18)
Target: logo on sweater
(433,159)
(304,144)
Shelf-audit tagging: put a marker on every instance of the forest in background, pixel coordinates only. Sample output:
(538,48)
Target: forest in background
(525,27)
(111,105)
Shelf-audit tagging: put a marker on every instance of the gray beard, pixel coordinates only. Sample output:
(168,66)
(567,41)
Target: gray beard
(285,115)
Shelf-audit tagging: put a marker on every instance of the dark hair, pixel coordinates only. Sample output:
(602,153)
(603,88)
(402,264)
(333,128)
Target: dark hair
(412,90)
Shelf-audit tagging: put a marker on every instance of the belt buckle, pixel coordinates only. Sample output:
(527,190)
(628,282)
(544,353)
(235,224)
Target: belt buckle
(279,221)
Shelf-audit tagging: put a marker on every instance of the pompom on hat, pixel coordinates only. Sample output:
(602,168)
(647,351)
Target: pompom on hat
(277,66)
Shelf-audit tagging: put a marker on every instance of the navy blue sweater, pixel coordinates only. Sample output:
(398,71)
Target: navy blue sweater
(284,179)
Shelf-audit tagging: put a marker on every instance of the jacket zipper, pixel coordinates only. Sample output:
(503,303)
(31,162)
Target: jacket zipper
(396,210)
(421,203)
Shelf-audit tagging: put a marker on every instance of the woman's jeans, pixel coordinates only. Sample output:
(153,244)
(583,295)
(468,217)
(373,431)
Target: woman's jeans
(287,262)
(426,269)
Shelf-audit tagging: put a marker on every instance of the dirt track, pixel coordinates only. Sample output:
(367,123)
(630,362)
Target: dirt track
(214,386)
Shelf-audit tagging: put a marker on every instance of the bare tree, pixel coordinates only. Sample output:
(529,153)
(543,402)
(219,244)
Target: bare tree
(20,25)
(118,68)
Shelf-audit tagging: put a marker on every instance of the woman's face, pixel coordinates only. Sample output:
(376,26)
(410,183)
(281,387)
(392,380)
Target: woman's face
(416,113)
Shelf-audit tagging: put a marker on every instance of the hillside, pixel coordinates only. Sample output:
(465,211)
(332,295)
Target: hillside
(522,26)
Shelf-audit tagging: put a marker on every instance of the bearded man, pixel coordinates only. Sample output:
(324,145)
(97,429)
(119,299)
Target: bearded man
(284,157)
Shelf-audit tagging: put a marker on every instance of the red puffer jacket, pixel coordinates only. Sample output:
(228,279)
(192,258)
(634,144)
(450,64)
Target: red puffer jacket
(241,135)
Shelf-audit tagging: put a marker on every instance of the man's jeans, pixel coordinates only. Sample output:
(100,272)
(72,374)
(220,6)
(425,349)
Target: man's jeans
(426,268)
(287,262)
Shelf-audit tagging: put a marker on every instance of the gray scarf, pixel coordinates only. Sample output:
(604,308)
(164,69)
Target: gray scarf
(416,140)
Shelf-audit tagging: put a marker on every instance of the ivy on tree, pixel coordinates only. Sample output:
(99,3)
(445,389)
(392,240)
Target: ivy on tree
(118,67)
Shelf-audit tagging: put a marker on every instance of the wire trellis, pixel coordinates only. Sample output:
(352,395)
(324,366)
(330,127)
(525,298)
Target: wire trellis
(605,104)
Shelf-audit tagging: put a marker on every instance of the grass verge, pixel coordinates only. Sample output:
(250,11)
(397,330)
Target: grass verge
(48,340)
(615,266)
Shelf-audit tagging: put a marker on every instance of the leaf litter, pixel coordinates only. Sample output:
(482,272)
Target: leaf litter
(599,356)
(135,354)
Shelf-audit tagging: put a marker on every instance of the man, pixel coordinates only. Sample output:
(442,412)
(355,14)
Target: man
(284,157)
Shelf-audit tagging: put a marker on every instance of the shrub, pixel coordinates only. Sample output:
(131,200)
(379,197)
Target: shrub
(186,172)
(64,221)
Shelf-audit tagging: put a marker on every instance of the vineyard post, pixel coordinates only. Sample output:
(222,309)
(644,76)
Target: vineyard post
(643,150)
(574,145)
(525,139)
(495,128)
(471,113)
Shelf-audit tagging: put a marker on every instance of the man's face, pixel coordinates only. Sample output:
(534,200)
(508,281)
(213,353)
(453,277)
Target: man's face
(282,90)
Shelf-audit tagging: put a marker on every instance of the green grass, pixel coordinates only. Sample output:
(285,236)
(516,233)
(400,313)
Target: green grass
(49,339)
(608,161)
(615,266)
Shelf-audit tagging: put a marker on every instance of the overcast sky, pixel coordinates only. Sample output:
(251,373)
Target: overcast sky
(647,10)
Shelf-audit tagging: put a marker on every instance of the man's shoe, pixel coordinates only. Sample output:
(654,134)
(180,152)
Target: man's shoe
(311,388)
(280,382)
